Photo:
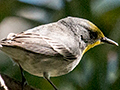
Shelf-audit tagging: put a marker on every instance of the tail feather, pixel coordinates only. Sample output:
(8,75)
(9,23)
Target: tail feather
(7,41)
(1,46)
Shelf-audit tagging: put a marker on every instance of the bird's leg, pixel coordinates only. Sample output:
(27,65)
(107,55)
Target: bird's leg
(24,82)
(46,76)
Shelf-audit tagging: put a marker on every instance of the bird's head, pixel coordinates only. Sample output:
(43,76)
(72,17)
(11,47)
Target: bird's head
(96,36)
(88,34)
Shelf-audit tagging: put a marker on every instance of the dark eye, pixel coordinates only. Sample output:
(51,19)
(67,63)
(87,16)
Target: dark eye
(81,37)
(93,35)
(85,40)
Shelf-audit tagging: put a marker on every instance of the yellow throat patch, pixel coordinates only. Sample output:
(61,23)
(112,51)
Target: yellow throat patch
(91,46)
(100,35)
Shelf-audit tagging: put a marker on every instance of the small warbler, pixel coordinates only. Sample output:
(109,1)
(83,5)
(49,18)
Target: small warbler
(53,49)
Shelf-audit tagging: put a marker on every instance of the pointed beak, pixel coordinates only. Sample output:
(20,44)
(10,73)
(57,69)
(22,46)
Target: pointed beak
(107,40)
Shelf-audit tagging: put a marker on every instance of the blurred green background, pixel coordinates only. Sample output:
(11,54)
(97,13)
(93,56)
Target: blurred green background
(99,68)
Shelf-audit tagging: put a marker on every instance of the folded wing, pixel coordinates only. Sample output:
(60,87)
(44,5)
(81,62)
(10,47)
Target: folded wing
(38,44)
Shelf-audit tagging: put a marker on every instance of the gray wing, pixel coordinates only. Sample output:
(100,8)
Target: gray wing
(38,44)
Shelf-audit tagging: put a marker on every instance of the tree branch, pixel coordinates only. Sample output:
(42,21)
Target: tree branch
(7,83)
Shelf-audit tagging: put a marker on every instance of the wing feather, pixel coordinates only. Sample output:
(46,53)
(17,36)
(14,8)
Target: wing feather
(38,44)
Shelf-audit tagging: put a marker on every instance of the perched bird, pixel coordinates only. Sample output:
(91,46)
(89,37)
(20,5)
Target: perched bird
(53,49)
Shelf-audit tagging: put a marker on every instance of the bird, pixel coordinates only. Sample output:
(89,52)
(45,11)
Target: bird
(53,49)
